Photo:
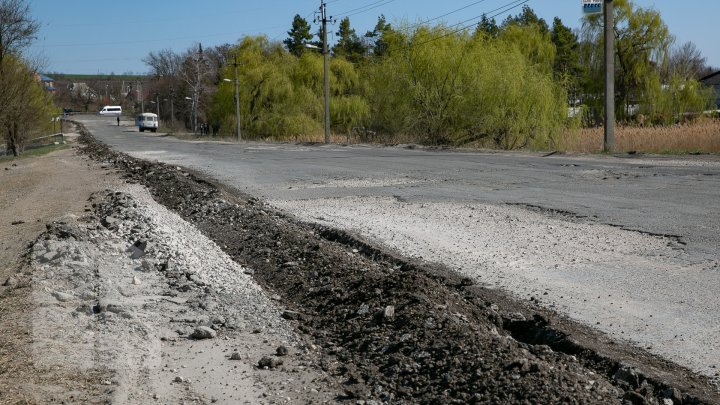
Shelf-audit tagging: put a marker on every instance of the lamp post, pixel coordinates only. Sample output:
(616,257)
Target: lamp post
(192,108)
(172,113)
(326,84)
(237,100)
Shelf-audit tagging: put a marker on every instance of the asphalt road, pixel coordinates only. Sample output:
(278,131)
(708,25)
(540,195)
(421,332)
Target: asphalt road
(627,243)
(665,195)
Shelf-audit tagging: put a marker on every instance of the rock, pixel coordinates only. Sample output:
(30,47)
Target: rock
(634,398)
(290,315)
(235,356)
(148,265)
(136,280)
(10,282)
(389,312)
(628,375)
(139,248)
(667,401)
(248,271)
(674,395)
(109,220)
(290,264)
(179,379)
(269,362)
(63,297)
(281,351)
(203,332)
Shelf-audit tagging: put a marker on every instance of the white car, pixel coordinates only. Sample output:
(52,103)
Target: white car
(112,110)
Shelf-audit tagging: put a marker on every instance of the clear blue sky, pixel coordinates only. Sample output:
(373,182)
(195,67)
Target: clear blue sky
(84,36)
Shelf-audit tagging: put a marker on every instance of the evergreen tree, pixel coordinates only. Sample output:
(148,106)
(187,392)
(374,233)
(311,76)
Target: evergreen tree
(298,36)
(526,18)
(567,66)
(349,44)
(378,37)
(489,26)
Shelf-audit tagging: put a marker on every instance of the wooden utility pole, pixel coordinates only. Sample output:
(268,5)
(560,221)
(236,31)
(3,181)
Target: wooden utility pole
(237,99)
(609,140)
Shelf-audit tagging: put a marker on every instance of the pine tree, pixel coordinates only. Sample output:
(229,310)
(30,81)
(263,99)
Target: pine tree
(349,44)
(298,36)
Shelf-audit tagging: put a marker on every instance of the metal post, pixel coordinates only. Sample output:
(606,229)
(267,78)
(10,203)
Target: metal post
(609,141)
(157,101)
(237,100)
(325,71)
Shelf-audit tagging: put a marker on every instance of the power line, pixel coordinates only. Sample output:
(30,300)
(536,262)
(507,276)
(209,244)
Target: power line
(447,14)
(504,9)
(365,8)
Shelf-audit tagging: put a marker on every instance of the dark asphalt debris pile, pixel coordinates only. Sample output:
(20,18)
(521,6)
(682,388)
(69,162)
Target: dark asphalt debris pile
(392,330)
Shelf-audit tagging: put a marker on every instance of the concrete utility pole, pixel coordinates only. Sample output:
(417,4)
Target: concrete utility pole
(323,14)
(172,112)
(609,141)
(157,101)
(237,99)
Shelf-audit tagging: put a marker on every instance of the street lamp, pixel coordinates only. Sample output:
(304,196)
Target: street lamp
(192,108)
(237,101)
(326,87)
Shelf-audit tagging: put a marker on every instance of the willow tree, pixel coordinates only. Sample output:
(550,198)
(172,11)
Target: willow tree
(450,87)
(641,49)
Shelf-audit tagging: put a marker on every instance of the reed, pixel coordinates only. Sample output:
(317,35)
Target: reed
(702,136)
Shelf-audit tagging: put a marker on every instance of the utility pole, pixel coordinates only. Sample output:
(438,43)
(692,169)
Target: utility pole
(324,19)
(172,112)
(237,99)
(609,140)
(157,102)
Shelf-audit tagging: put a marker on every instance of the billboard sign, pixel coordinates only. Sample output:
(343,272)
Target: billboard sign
(592,6)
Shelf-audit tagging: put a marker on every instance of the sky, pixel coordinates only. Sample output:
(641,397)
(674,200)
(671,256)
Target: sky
(103,37)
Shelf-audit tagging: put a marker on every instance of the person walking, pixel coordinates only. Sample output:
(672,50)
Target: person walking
(118,120)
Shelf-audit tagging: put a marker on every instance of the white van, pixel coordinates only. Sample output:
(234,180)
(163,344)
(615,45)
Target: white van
(147,121)
(114,110)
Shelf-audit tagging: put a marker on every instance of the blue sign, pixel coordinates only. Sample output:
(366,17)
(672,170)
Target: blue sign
(592,6)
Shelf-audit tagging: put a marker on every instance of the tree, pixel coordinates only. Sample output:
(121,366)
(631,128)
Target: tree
(567,66)
(641,49)
(349,44)
(17,28)
(488,26)
(24,105)
(378,37)
(298,36)
(526,18)
(687,61)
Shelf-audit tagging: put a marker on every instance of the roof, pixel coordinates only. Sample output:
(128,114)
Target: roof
(46,78)
(712,79)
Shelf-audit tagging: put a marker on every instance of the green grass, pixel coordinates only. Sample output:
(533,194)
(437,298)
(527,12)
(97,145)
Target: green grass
(35,152)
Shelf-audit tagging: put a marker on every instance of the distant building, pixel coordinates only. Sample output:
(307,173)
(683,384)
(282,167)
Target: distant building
(713,80)
(47,82)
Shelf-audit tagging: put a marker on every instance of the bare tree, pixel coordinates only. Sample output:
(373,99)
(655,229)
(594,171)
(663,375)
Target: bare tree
(17,28)
(164,63)
(687,61)
(194,72)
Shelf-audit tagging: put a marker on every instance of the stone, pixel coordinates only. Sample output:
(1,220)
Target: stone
(136,280)
(269,362)
(674,395)
(235,356)
(629,375)
(10,282)
(179,379)
(281,351)
(63,297)
(389,312)
(290,315)
(203,332)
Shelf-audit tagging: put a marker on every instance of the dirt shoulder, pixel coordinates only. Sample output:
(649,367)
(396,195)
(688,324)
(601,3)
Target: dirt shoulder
(35,192)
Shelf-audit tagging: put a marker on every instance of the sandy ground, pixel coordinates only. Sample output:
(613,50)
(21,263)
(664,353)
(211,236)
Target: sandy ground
(88,318)
(636,287)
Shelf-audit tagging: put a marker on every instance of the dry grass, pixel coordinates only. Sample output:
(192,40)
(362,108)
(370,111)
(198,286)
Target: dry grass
(702,136)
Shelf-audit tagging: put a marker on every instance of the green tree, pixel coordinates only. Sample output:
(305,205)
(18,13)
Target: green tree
(567,66)
(641,49)
(298,36)
(526,18)
(378,37)
(488,26)
(349,44)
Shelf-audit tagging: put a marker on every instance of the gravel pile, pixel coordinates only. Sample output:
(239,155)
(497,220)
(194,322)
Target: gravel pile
(390,330)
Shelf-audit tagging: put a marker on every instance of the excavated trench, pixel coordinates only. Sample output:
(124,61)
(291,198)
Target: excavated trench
(402,331)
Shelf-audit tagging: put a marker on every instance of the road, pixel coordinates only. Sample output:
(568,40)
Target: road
(627,244)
